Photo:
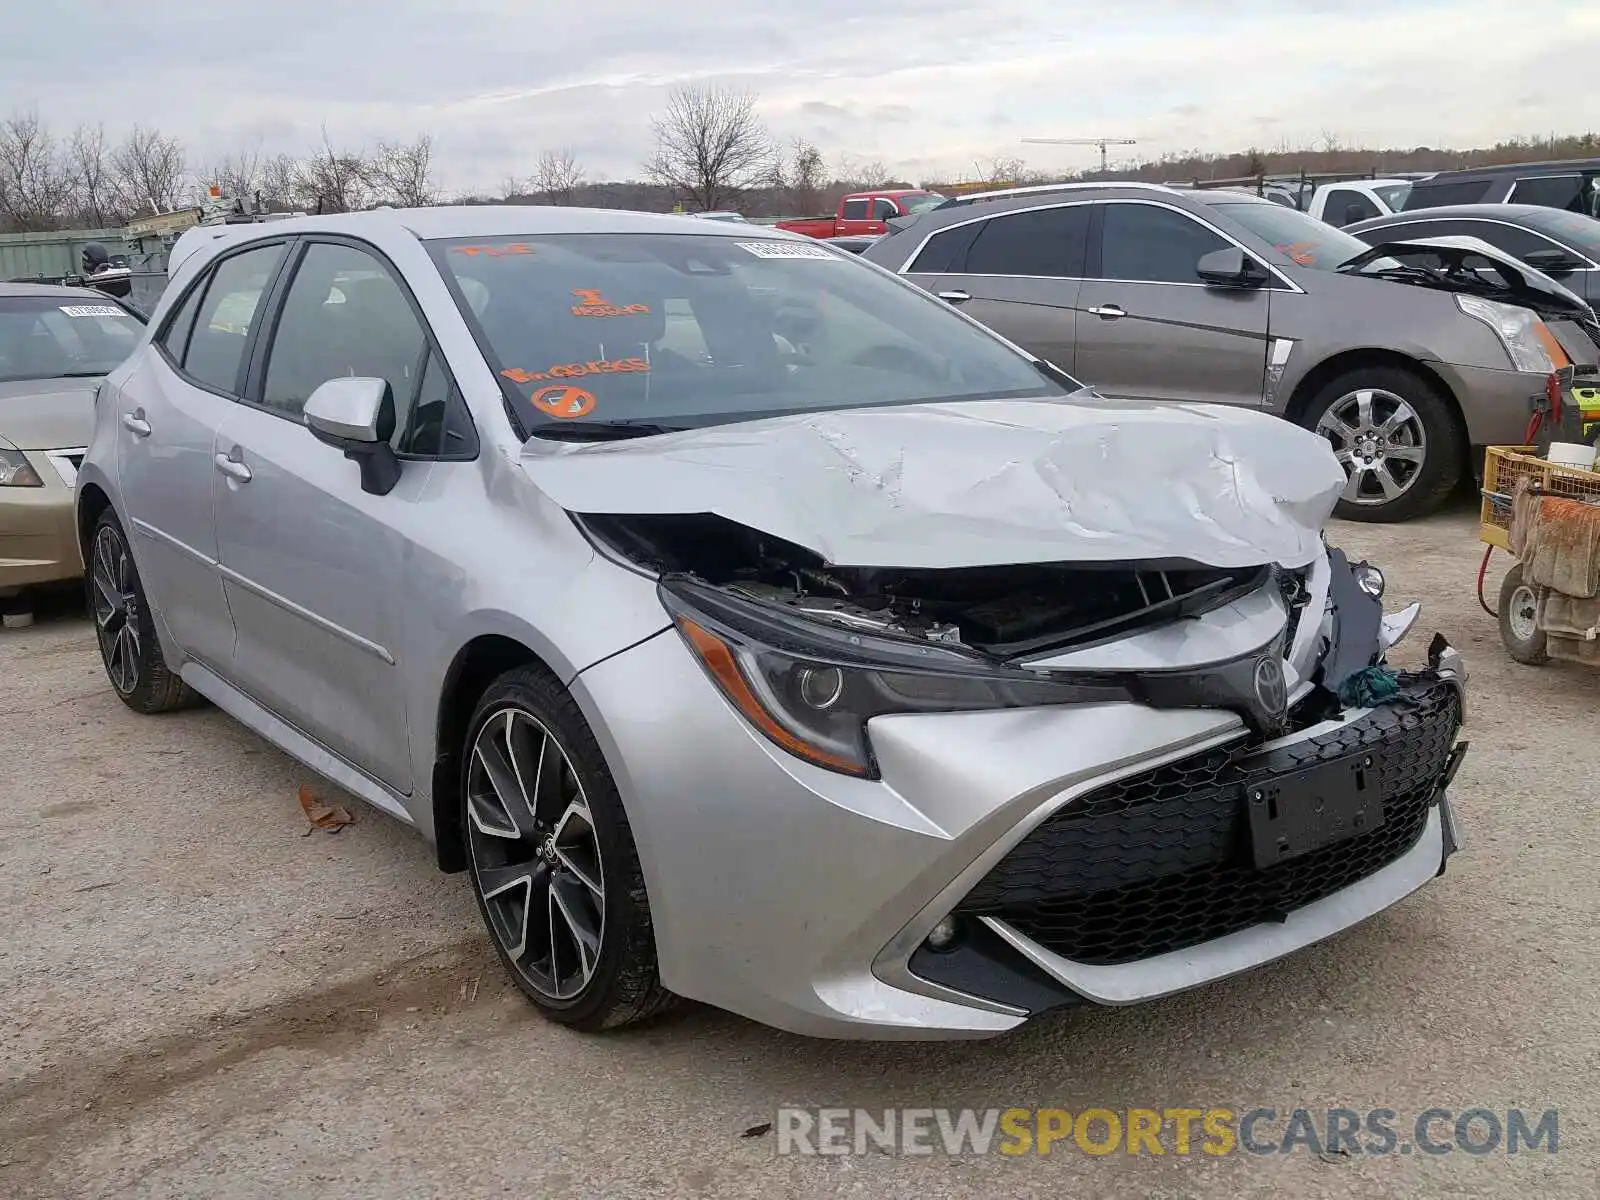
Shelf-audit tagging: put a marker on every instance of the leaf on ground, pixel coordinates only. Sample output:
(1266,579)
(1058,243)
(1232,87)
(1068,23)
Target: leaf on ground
(756,1131)
(322,815)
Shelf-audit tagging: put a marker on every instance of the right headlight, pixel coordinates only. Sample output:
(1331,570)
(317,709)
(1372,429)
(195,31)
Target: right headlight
(15,471)
(1527,342)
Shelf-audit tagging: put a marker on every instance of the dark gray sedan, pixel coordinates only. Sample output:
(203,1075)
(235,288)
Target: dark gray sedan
(1564,245)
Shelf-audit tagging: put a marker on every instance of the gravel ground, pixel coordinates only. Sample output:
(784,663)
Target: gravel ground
(201,1001)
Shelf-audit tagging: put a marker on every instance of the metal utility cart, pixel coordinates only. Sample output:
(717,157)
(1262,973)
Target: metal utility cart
(1547,516)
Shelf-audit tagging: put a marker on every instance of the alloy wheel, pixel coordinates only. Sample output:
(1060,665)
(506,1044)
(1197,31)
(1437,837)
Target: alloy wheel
(1379,440)
(535,853)
(1522,614)
(116,609)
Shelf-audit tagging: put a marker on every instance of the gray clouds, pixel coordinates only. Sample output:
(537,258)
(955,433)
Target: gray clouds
(930,84)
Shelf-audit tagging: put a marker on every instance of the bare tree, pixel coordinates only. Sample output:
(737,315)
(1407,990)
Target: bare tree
(334,180)
(868,174)
(92,176)
(710,146)
(402,173)
(804,176)
(237,175)
(556,176)
(280,182)
(35,183)
(1001,169)
(149,169)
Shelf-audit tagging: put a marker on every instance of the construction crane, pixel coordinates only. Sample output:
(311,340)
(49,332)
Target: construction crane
(1101,142)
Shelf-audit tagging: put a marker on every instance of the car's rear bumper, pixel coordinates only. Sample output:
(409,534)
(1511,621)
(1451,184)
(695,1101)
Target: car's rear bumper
(38,533)
(803,898)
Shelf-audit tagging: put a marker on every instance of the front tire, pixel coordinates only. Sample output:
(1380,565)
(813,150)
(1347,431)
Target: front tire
(552,858)
(1518,611)
(124,627)
(1396,436)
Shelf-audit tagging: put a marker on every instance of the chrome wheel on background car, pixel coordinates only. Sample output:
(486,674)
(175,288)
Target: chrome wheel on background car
(552,857)
(535,853)
(1379,441)
(1399,440)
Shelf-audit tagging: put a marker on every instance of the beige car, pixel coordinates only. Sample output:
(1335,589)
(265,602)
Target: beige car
(55,345)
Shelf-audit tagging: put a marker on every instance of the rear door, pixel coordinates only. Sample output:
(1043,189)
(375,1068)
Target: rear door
(1019,273)
(170,411)
(1148,328)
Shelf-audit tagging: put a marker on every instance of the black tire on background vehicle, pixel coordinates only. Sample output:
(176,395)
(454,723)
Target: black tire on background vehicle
(1517,609)
(552,858)
(1397,437)
(124,627)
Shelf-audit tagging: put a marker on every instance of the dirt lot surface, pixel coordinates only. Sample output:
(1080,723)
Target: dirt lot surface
(200,1001)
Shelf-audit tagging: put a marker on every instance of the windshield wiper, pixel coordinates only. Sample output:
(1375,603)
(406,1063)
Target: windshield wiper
(600,431)
(81,374)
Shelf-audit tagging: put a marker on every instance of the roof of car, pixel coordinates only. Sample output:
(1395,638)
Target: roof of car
(1512,213)
(1467,174)
(13,290)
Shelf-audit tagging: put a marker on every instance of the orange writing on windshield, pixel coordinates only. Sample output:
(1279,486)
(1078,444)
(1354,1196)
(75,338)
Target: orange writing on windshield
(1303,253)
(575,370)
(563,401)
(591,303)
(496,251)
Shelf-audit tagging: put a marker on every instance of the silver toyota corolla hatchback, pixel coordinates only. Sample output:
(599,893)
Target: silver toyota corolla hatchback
(755,628)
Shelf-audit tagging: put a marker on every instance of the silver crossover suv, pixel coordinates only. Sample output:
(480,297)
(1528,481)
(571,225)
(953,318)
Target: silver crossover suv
(1402,362)
(752,627)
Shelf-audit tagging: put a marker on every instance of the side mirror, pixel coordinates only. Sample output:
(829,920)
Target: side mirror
(1231,267)
(1552,262)
(356,415)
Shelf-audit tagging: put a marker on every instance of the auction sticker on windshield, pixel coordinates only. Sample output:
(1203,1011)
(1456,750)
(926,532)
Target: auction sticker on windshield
(788,250)
(92,310)
(563,402)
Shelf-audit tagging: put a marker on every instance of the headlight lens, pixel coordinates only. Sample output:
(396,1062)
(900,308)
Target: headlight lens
(1369,579)
(812,689)
(1520,331)
(15,470)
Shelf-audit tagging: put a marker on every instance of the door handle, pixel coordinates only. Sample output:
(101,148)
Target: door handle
(232,468)
(135,423)
(1109,312)
(955,297)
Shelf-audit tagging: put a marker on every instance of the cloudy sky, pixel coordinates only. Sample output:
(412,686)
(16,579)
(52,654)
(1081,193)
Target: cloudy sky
(926,86)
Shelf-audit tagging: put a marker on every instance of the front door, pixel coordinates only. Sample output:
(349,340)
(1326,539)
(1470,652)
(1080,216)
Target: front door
(1149,329)
(166,443)
(312,565)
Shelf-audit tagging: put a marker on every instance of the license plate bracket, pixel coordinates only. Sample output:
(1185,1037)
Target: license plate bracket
(1305,810)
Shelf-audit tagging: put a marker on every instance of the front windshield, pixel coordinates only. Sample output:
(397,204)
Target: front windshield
(1393,194)
(1576,230)
(62,336)
(922,203)
(1302,239)
(680,330)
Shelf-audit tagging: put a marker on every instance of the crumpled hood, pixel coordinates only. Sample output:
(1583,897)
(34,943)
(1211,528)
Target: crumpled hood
(979,483)
(47,414)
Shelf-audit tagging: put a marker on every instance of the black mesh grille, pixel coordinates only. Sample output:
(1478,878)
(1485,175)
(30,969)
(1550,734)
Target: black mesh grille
(1162,860)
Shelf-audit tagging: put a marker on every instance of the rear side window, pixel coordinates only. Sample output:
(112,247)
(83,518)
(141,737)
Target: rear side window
(1047,243)
(226,316)
(1554,191)
(1440,195)
(176,338)
(946,250)
(854,210)
(1346,206)
(1145,244)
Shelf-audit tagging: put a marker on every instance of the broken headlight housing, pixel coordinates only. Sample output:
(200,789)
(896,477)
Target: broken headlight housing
(811,687)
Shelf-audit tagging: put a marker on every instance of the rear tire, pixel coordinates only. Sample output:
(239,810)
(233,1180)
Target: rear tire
(124,627)
(1398,438)
(1517,608)
(552,858)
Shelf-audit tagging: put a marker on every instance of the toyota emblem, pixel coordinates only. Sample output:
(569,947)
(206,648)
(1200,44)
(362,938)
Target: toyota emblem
(1271,694)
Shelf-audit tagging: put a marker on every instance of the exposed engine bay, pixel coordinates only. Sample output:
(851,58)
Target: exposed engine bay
(1004,611)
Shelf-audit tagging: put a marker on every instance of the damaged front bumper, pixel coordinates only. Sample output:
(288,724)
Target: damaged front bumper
(1101,852)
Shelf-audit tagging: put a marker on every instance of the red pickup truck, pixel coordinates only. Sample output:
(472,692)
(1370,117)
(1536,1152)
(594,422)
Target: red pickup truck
(864,212)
